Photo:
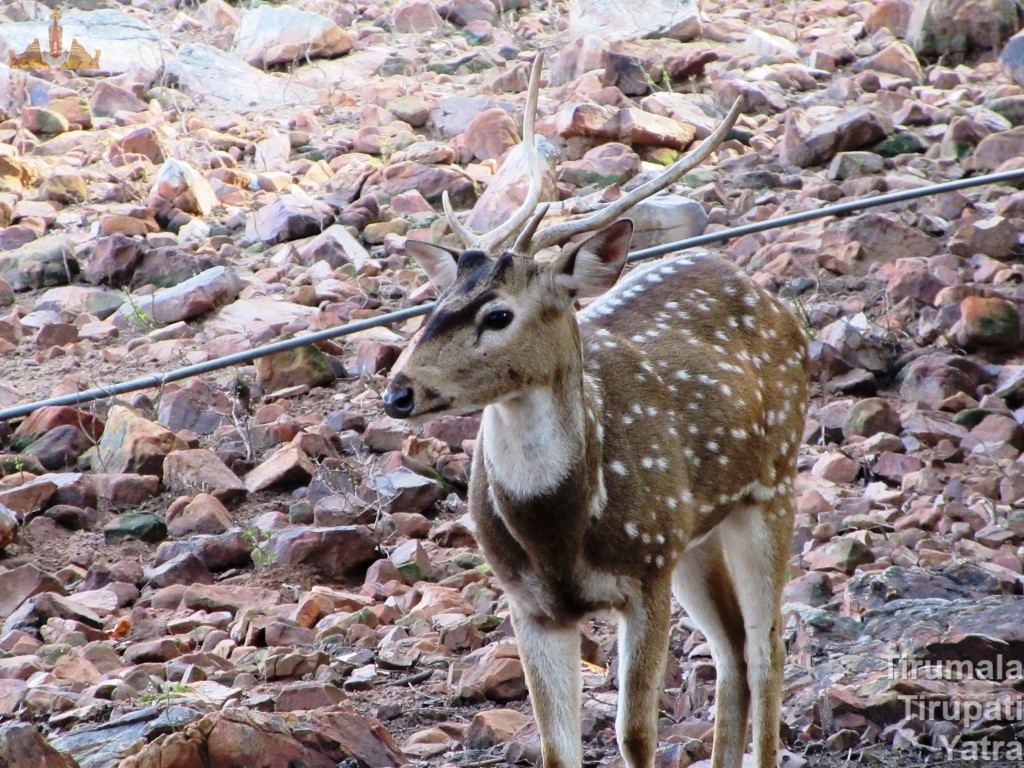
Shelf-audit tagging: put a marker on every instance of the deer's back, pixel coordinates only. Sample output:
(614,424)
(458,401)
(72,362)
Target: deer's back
(704,376)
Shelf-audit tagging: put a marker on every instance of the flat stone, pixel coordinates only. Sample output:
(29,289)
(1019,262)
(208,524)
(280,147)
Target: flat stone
(144,526)
(100,746)
(223,80)
(244,736)
(338,552)
(678,19)
(190,471)
(192,298)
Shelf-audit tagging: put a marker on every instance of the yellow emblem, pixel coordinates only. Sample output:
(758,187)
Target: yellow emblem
(55,57)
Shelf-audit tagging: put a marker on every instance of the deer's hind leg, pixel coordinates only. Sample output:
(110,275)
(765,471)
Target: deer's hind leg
(643,649)
(703,585)
(758,561)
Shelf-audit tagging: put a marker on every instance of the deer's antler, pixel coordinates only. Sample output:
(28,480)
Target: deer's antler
(563,231)
(491,241)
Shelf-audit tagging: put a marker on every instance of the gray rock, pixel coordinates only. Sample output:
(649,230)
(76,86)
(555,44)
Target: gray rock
(1012,58)
(73,300)
(666,217)
(619,19)
(271,35)
(217,78)
(955,27)
(189,299)
(38,263)
(101,746)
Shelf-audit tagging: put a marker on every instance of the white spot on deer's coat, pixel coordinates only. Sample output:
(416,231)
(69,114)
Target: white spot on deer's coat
(647,462)
(618,468)
(631,530)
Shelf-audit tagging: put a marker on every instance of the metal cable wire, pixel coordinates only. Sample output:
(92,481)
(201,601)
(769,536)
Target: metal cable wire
(160,379)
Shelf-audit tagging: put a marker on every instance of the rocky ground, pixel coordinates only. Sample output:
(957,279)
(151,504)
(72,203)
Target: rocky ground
(256,567)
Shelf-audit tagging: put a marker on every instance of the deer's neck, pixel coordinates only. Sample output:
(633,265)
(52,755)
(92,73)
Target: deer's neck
(535,441)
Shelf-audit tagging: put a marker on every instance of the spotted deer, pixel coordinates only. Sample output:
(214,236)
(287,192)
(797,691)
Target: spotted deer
(640,448)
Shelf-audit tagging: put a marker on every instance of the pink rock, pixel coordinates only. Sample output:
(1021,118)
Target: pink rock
(492,727)
(431,181)
(836,468)
(204,514)
(995,149)
(490,134)
(611,163)
(108,99)
(994,236)
(191,471)
(288,465)
(507,189)
(416,16)
(402,490)
(188,299)
(893,467)
(462,12)
(180,186)
(287,217)
(232,598)
(496,676)
(126,489)
(893,15)
(143,141)
(337,552)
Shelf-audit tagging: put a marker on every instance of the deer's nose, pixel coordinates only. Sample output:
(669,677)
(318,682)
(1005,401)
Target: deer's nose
(399,399)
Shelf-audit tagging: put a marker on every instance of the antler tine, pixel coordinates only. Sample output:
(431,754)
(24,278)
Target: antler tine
(560,233)
(497,237)
(468,239)
(522,245)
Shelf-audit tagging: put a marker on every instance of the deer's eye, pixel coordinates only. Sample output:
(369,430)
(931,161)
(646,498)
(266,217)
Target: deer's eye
(497,319)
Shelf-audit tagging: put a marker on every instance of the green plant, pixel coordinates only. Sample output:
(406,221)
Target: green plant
(164,693)
(262,557)
(141,317)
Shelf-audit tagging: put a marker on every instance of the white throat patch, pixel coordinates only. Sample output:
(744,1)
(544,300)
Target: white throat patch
(530,444)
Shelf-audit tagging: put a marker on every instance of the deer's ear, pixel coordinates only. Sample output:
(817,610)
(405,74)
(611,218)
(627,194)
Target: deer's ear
(593,267)
(439,263)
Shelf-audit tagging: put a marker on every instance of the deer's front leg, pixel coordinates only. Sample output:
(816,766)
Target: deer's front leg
(551,658)
(643,647)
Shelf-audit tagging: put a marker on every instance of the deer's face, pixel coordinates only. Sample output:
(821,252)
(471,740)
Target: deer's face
(501,326)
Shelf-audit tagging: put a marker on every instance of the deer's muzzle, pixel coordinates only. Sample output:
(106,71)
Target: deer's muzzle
(399,398)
